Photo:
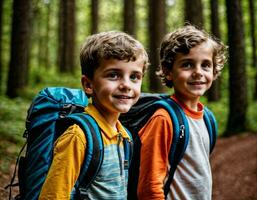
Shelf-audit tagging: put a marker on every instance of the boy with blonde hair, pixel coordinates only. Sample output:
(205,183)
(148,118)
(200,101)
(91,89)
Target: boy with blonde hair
(113,65)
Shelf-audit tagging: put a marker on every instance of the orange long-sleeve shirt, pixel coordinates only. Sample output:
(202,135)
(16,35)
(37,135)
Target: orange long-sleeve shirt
(156,139)
(157,147)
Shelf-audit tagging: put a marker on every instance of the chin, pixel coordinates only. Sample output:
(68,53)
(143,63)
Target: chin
(198,92)
(124,110)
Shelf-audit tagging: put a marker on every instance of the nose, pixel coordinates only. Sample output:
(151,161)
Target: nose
(125,84)
(197,71)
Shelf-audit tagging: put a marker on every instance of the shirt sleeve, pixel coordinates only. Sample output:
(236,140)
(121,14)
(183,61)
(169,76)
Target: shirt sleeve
(69,152)
(156,138)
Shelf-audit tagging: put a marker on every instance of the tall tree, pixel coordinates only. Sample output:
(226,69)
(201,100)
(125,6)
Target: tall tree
(18,67)
(42,27)
(129,17)
(37,34)
(194,12)
(253,28)
(94,16)
(237,69)
(214,92)
(66,46)
(1,31)
(46,38)
(157,29)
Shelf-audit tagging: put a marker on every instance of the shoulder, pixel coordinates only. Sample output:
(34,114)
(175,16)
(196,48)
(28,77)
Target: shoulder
(160,121)
(161,113)
(72,134)
(158,131)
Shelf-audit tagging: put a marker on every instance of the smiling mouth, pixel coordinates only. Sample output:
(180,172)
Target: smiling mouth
(196,83)
(122,97)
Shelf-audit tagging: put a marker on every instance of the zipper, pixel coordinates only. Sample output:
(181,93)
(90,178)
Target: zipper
(182,131)
(119,154)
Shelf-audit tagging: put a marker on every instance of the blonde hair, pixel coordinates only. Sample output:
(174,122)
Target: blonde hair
(107,45)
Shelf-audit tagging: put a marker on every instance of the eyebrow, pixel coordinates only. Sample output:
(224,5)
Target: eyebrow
(192,60)
(119,70)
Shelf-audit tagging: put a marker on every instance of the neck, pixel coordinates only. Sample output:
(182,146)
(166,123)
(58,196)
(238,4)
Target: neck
(111,118)
(190,103)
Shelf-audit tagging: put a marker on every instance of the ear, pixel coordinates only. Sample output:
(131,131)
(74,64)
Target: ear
(87,85)
(168,76)
(215,75)
(167,73)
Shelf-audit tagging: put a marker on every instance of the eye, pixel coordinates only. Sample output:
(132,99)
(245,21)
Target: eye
(135,77)
(207,65)
(187,65)
(113,75)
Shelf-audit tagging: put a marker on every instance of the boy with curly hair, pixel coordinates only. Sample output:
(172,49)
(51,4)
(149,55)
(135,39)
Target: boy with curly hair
(190,61)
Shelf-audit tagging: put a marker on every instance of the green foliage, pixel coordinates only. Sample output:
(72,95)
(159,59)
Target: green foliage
(12,117)
(220,110)
(252,117)
(12,123)
(175,15)
(44,78)
(8,153)
(110,18)
(141,21)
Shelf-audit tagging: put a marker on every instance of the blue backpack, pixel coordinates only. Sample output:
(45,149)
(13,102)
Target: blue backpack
(137,117)
(52,111)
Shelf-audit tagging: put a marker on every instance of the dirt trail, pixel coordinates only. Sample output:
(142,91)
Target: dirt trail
(234,165)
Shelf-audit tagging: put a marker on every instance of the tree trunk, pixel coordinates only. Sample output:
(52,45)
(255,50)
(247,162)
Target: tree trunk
(253,28)
(237,69)
(1,50)
(255,92)
(129,17)
(18,68)
(46,58)
(194,12)
(66,49)
(94,16)
(157,29)
(38,36)
(214,92)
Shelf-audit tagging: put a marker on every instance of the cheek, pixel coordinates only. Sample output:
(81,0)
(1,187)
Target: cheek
(102,90)
(210,77)
(138,87)
(178,78)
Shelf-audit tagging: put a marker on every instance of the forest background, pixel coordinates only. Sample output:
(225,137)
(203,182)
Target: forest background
(40,42)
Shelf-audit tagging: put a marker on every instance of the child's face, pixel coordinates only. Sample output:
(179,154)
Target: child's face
(192,74)
(116,85)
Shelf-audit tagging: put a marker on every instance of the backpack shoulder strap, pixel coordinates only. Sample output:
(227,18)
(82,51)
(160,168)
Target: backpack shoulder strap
(212,127)
(94,150)
(180,137)
(128,150)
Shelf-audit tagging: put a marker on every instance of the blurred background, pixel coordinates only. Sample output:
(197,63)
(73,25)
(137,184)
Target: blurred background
(40,42)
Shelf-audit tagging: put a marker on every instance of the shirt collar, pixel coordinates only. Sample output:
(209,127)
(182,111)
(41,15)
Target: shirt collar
(189,112)
(104,125)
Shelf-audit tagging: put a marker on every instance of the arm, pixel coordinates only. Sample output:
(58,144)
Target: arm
(156,138)
(68,157)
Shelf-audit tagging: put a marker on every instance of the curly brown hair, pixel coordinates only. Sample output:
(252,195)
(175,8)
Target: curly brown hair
(181,41)
(107,45)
